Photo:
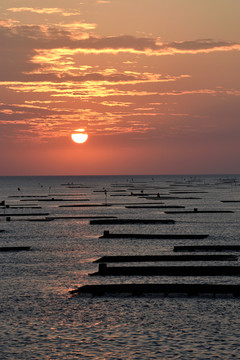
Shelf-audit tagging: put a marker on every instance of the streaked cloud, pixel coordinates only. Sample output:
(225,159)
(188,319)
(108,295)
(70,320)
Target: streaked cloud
(45,62)
(48,37)
(51,51)
(48,11)
(103,1)
(116,103)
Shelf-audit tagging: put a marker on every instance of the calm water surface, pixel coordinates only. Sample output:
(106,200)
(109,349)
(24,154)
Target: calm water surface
(39,318)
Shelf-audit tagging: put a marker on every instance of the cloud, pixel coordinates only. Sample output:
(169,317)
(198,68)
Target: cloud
(8,23)
(116,103)
(108,110)
(53,37)
(76,26)
(95,84)
(48,51)
(199,46)
(48,11)
(54,89)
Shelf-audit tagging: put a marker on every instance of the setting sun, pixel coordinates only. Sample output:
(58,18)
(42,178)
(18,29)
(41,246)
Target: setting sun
(79,136)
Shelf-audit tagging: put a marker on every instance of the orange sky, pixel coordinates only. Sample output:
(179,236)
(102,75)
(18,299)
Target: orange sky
(155,84)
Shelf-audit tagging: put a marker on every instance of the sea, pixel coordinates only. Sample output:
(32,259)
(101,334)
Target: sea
(41,319)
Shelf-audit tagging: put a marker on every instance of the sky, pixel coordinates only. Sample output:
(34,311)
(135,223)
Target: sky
(154,83)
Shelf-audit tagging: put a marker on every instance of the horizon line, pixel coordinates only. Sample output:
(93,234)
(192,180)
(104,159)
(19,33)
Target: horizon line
(74,175)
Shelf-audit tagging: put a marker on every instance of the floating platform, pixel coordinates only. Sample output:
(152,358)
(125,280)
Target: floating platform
(142,193)
(28,196)
(86,205)
(79,187)
(154,206)
(203,248)
(144,258)
(189,290)
(104,270)
(160,197)
(25,207)
(46,219)
(115,190)
(138,203)
(24,214)
(20,207)
(76,194)
(187,192)
(15,248)
(108,235)
(73,184)
(119,195)
(79,217)
(55,199)
(199,212)
(173,198)
(130,221)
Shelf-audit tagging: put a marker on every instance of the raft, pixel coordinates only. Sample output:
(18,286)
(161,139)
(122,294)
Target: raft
(14,248)
(104,270)
(155,258)
(207,248)
(130,221)
(199,212)
(190,290)
(108,235)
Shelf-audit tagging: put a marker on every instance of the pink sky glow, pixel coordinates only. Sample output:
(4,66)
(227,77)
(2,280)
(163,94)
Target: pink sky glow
(154,83)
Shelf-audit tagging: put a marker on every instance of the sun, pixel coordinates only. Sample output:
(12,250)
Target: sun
(79,136)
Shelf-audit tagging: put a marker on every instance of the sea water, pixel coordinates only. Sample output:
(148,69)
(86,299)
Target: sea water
(39,317)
